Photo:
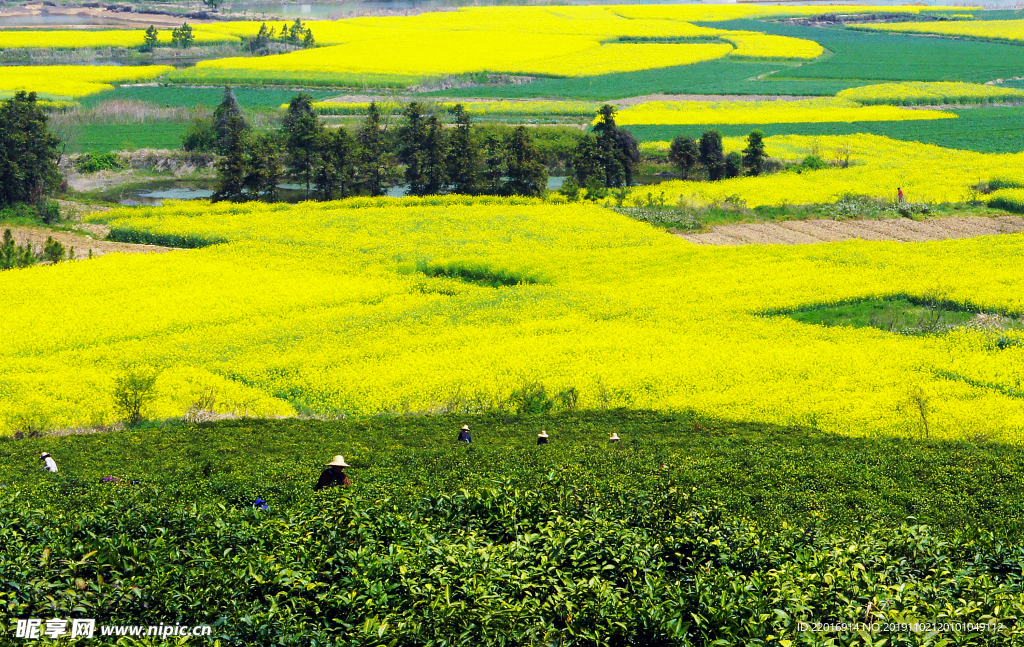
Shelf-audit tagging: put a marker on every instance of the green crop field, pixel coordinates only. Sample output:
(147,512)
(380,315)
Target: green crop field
(687,531)
(209,97)
(983,129)
(857,58)
(102,138)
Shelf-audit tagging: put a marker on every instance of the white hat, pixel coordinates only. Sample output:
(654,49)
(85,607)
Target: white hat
(44,455)
(339,461)
(614,437)
(542,434)
(465,427)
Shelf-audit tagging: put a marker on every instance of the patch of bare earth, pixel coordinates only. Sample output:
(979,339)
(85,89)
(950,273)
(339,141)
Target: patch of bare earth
(89,240)
(802,232)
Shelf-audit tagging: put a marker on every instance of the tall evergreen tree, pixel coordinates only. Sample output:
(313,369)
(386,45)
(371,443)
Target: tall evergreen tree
(150,39)
(464,159)
(495,165)
(525,174)
(435,153)
(263,172)
(412,138)
(232,166)
(303,133)
(228,121)
(335,177)
(684,155)
(754,155)
(376,162)
(29,152)
(711,155)
(621,150)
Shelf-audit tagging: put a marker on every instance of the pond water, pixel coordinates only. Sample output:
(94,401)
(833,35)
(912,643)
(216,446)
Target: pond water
(154,193)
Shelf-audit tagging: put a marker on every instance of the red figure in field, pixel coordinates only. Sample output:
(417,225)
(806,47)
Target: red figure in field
(899,195)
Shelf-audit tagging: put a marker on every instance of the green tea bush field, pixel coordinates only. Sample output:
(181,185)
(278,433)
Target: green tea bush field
(985,130)
(690,531)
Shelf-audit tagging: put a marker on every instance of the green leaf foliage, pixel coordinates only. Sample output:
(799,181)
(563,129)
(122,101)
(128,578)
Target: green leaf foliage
(688,532)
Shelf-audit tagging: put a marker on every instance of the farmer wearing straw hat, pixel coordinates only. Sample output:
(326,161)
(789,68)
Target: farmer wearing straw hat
(614,438)
(542,437)
(464,436)
(49,464)
(334,474)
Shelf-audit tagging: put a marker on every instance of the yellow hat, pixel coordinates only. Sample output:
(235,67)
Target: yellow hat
(339,461)
(465,427)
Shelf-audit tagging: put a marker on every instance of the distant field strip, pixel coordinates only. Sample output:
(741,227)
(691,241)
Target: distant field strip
(79,38)
(540,41)
(73,81)
(762,112)
(934,93)
(481,108)
(1005,30)
(878,166)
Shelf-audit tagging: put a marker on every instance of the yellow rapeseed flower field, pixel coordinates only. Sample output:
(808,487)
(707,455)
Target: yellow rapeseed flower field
(320,308)
(73,81)
(929,93)
(767,112)
(553,41)
(1009,30)
(878,166)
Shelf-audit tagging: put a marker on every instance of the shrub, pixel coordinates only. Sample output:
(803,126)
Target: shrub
(133,391)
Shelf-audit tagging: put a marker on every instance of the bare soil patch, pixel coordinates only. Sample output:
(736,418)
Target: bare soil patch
(802,232)
(89,240)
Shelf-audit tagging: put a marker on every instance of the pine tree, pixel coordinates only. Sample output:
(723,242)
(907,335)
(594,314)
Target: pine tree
(228,122)
(376,163)
(621,150)
(464,160)
(232,167)
(754,155)
(182,36)
(335,177)
(412,136)
(150,40)
(303,134)
(435,146)
(29,152)
(588,161)
(711,155)
(526,175)
(684,155)
(263,166)
(495,165)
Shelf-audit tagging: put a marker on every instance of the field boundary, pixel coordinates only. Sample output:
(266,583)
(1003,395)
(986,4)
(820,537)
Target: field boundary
(823,230)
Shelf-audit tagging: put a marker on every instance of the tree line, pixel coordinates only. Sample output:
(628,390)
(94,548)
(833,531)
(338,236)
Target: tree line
(429,153)
(691,156)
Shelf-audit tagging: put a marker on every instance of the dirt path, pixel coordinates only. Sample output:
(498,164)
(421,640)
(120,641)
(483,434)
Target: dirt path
(89,240)
(802,232)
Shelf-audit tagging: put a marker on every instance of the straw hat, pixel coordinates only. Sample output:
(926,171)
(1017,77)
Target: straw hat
(339,461)
(542,434)
(614,436)
(465,427)
(44,455)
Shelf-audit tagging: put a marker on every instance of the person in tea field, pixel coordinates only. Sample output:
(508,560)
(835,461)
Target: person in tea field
(542,437)
(49,464)
(334,474)
(464,435)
